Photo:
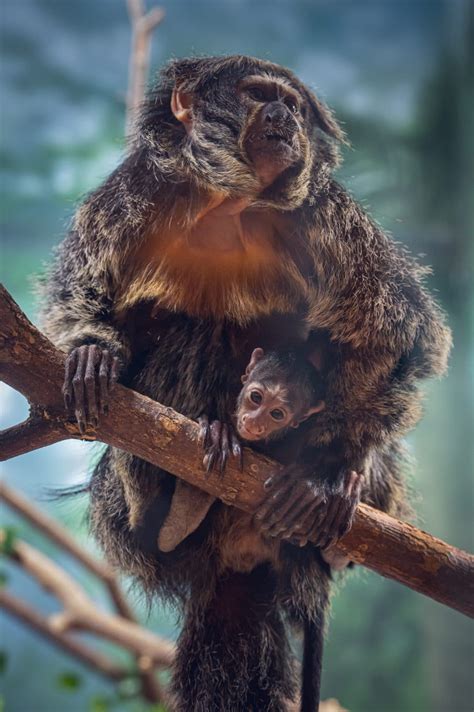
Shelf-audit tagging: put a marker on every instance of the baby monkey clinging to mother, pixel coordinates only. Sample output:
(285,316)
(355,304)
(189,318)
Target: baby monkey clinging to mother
(281,390)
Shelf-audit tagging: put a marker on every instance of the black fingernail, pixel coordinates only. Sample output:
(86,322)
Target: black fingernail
(105,409)
(268,484)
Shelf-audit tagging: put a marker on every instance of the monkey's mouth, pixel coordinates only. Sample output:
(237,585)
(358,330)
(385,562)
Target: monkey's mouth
(244,433)
(274,137)
(273,145)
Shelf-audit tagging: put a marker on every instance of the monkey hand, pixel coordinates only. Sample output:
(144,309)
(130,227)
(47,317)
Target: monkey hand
(219,442)
(91,372)
(301,509)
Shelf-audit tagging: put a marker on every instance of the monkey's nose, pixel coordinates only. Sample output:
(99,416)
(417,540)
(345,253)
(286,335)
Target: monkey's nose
(274,113)
(252,426)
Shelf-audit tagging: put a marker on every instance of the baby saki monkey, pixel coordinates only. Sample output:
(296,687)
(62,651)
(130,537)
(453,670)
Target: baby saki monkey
(282,389)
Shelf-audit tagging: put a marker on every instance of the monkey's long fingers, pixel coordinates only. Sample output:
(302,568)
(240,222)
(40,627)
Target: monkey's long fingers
(274,521)
(283,499)
(237,451)
(224,448)
(78,388)
(203,436)
(90,383)
(300,519)
(340,511)
(68,393)
(355,483)
(105,384)
(302,523)
(213,450)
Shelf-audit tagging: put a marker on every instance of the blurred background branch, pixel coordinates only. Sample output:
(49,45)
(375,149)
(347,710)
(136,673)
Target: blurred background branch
(143,24)
(79,611)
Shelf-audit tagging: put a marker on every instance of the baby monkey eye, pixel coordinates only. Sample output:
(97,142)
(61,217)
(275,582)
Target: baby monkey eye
(256,397)
(277,414)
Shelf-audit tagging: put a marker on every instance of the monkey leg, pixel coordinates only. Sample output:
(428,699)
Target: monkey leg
(300,508)
(120,485)
(189,507)
(233,653)
(91,372)
(219,442)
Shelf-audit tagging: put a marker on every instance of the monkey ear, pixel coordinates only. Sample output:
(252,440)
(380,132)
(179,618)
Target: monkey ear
(325,118)
(316,359)
(182,107)
(317,408)
(257,355)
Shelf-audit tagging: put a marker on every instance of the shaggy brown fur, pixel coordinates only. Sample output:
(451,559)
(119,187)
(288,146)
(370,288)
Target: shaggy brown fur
(144,274)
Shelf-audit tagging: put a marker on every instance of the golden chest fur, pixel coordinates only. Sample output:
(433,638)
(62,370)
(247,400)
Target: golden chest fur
(228,265)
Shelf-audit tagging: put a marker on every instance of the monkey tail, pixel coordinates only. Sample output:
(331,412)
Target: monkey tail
(50,494)
(312,663)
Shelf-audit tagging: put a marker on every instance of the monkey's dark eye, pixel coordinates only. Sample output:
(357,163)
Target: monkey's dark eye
(256,93)
(277,414)
(293,105)
(256,397)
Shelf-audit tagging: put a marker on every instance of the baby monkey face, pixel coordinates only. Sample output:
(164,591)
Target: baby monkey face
(277,394)
(263,411)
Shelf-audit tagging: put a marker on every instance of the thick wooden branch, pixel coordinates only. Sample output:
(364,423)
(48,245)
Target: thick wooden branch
(32,365)
(33,433)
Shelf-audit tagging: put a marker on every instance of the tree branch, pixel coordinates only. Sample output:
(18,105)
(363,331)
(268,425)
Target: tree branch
(31,364)
(33,433)
(81,613)
(27,615)
(151,689)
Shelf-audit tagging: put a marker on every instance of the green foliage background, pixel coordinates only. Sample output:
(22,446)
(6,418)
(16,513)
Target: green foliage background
(399,74)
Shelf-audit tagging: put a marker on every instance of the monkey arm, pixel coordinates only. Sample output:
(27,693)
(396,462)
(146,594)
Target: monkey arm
(88,272)
(386,330)
(79,301)
(369,293)
(386,333)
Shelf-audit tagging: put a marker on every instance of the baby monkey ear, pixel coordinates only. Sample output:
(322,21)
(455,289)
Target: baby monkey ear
(317,408)
(257,355)
(182,107)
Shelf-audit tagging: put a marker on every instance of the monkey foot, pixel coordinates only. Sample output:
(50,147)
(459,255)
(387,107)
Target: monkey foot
(302,509)
(91,373)
(219,442)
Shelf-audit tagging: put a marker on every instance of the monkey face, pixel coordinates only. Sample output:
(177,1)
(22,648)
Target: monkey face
(241,126)
(263,411)
(274,138)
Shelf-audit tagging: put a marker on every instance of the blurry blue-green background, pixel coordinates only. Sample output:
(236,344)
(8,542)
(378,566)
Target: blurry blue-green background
(399,75)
